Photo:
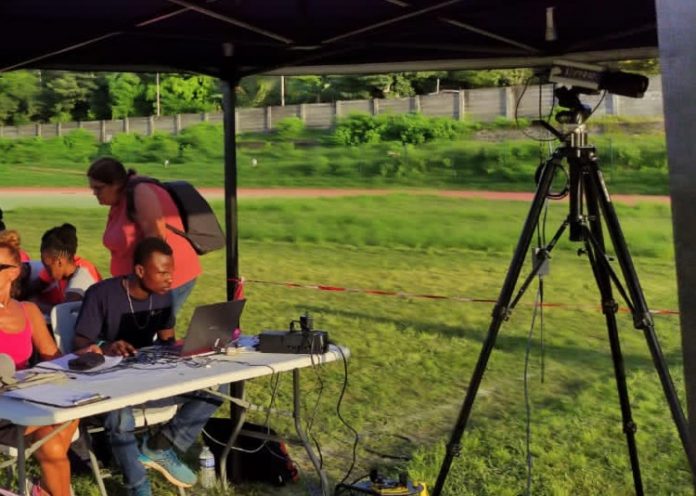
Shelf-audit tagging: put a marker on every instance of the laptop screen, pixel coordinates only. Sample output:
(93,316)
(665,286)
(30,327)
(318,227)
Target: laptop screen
(212,325)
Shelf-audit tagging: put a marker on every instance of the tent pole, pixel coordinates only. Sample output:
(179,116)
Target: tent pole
(676,36)
(232,260)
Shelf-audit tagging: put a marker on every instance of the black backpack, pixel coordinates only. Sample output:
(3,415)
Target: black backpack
(262,460)
(201,227)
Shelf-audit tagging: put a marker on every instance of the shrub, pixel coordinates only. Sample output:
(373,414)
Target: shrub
(125,147)
(158,148)
(201,141)
(19,151)
(290,127)
(79,145)
(357,129)
(412,129)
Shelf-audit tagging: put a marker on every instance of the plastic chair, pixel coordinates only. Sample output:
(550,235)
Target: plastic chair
(63,320)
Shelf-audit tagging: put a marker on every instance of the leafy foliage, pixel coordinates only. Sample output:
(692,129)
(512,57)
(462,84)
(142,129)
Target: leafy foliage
(18,97)
(289,128)
(415,129)
(59,96)
(189,93)
(389,150)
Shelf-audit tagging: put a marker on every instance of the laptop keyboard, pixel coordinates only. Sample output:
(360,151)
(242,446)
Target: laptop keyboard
(153,355)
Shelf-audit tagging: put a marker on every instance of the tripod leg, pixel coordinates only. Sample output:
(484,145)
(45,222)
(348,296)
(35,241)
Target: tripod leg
(594,244)
(500,313)
(641,314)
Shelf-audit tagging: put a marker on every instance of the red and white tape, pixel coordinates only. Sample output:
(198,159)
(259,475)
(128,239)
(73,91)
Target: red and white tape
(403,294)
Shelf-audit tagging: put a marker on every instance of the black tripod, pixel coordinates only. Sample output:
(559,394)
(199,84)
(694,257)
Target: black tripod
(589,205)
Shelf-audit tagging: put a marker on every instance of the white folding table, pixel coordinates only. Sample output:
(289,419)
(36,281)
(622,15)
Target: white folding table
(137,384)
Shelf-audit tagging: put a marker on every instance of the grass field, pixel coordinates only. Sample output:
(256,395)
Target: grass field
(412,357)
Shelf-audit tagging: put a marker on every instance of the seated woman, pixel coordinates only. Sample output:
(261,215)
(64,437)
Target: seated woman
(65,275)
(22,329)
(12,237)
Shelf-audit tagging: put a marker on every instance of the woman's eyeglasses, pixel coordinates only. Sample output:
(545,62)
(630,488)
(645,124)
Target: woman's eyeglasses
(7,266)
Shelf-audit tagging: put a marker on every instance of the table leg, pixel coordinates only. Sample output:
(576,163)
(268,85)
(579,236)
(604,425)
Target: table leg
(297,413)
(237,416)
(21,463)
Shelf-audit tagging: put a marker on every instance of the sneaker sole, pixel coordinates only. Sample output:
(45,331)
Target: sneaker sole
(167,475)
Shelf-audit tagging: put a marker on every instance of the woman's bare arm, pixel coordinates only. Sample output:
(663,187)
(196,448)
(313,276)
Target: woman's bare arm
(148,212)
(40,337)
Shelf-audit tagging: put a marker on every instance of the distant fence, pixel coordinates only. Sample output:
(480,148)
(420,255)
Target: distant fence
(478,104)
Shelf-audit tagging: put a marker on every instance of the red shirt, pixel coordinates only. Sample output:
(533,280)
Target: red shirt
(121,235)
(55,292)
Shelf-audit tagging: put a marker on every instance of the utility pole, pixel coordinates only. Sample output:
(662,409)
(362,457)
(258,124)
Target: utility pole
(282,91)
(157,86)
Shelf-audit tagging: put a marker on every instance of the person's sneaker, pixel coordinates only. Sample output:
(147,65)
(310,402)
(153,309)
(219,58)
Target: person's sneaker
(143,489)
(168,464)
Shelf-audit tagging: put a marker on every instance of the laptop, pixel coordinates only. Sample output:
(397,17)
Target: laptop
(211,327)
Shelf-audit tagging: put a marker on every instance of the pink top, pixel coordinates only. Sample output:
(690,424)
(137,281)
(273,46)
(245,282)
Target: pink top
(121,235)
(18,344)
(24,256)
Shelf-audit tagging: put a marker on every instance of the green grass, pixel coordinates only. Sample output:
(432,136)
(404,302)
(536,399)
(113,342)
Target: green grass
(411,357)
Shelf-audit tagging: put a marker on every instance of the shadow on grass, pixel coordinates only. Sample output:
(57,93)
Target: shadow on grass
(579,355)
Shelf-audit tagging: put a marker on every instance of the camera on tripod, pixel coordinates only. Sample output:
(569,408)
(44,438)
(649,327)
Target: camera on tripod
(588,79)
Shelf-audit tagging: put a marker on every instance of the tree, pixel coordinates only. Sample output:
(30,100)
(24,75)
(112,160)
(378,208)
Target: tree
(257,91)
(181,93)
(66,96)
(19,92)
(124,89)
(483,79)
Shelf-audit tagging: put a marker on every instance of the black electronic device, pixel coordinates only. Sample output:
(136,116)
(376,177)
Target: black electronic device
(86,361)
(382,486)
(306,340)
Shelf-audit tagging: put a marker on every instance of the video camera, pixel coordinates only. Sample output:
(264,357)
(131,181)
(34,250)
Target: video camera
(594,78)
(578,78)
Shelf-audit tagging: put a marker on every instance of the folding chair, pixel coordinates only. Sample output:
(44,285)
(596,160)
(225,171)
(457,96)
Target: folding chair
(63,320)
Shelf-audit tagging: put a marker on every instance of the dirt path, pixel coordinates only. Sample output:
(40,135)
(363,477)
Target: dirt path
(10,197)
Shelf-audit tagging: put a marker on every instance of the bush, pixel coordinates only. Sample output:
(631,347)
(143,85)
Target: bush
(79,145)
(125,147)
(290,127)
(135,148)
(412,129)
(357,129)
(21,151)
(158,148)
(201,141)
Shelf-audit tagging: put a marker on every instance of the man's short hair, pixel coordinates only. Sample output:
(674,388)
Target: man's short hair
(145,248)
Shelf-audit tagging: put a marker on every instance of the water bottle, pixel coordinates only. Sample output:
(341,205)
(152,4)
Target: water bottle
(207,468)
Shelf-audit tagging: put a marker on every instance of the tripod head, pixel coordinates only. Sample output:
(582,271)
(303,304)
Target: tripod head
(574,150)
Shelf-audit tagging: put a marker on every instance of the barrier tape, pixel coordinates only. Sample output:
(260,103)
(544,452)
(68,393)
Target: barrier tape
(403,294)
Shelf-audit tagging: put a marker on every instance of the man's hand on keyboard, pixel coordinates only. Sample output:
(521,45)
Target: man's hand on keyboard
(119,348)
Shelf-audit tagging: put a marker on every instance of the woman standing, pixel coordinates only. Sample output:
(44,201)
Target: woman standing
(154,209)
(23,330)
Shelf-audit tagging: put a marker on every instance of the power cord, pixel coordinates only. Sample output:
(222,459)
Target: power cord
(343,421)
(274,381)
(538,310)
(547,118)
